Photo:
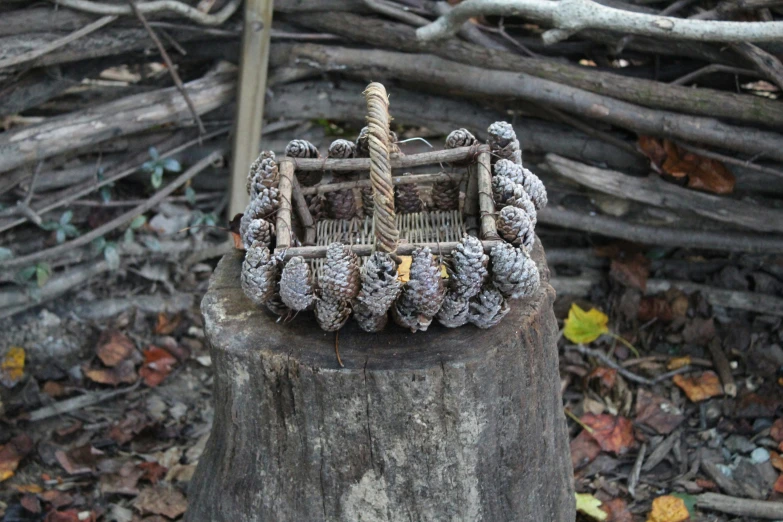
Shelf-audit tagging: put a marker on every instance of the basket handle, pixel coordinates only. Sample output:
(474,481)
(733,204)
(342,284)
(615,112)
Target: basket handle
(386,233)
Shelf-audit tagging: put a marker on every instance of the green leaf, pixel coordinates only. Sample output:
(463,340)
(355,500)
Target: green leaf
(690,502)
(148,166)
(138,222)
(190,195)
(66,217)
(98,244)
(5,253)
(70,230)
(105,194)
(26,273)
(42,273)
(129,236)
(154,153)
(584,327)
(151,242)
(171,165)
(112,256)
(60,235)
(588,505)
(157,177)
(210,219)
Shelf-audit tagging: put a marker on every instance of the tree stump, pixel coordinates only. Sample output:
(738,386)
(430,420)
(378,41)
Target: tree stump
(445,425)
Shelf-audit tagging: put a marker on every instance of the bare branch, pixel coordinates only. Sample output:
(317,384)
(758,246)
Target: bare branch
(157,6)
(571,16)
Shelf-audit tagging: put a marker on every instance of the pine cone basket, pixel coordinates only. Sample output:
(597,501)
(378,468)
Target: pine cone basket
(263,173)
(380,285)
(453,312)
(304,149)
(514,273)
(488,308)
(503,142)
(259,274)
(514,225)
(340,279)
(469,267)
(296,289)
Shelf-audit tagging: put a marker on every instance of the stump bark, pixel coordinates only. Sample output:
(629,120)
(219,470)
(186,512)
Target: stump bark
(446,425)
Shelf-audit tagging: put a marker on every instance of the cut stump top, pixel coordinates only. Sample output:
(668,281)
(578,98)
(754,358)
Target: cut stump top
(235,325)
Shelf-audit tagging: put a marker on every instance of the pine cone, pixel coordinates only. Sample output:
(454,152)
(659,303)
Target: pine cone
(263,173)
(503,142)
(469,267)
(535,189)
(258,230)
(368,321)
(277,307)
(520,199)
(342,149)
(331,313)
(259,274)
(340,278)
(487,308)
(514,273)
(304,149)
(405,315)
(316,204)
(422,296)
(380,286)
(263,206)
(296,289)
(363,143)
(514,226)
(503,189)
(445,195)
(407,198)
(460,138)
(454,311)
(342,204)
(509,169)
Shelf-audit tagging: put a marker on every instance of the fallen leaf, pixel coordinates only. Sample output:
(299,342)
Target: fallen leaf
(584,327)
(404,269)
(776,430)
(702,173)
(134,423)
(181,473)
(12,453)
(654,308)
(617,509)
(657,413)
(584,450)
(123,482)
(63,516)
(56,498)
(157,365)
(30,503)
(779,484)
(78,460)
(776,460)
(124,372)
(166,325)
(631,271)
(606,377)
(28,488)
(588,505)
(653,149)
(233,227)
(668,509)
(700,387)
(678,362)
(699,331)
(114,347)
(12,367)
(613,433)
(53,389)
(152,471)
(68,428)
(161,500)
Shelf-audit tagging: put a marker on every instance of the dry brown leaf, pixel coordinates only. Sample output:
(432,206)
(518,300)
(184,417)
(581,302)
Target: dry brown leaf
(702,173)
(584,450)
(631,271)
(12,453)
(654,308)
(653,149)
(158,363)
(53,389)
(605,377)
(617,509)
(700,387)
(613,433)
(779,484)
(166,325)
(668,509)
(161,500)
(153,471)
(776,430)
(56,498)
(114,347)
(124,372)
(776,460)
(79,460)
(657,413)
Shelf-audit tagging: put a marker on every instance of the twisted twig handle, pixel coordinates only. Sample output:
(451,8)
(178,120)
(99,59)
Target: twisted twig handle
(386,233)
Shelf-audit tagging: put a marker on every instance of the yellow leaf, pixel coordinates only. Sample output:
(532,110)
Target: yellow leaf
(668,509)
(585,327)
(678,362)
(12,367)
(404,269)
(6,474)
(29,488)
(444,274)
(588,505)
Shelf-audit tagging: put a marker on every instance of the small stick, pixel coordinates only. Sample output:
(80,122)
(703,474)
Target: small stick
(740,506)
(170,65)
(486,203)
(303,212)
(403,249)
(366,183)
(337,348)
(723,367)
(633,478)
(283,222)
(397,161)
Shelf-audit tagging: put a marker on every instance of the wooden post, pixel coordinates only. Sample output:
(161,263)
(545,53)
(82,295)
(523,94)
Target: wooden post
(250,98)
(461,425)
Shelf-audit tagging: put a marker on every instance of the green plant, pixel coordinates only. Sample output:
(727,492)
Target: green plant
(201,219)
(109,250)
(40,273)
(63,228)
(190,195)
(136,224)
(156,166)
(105,190)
